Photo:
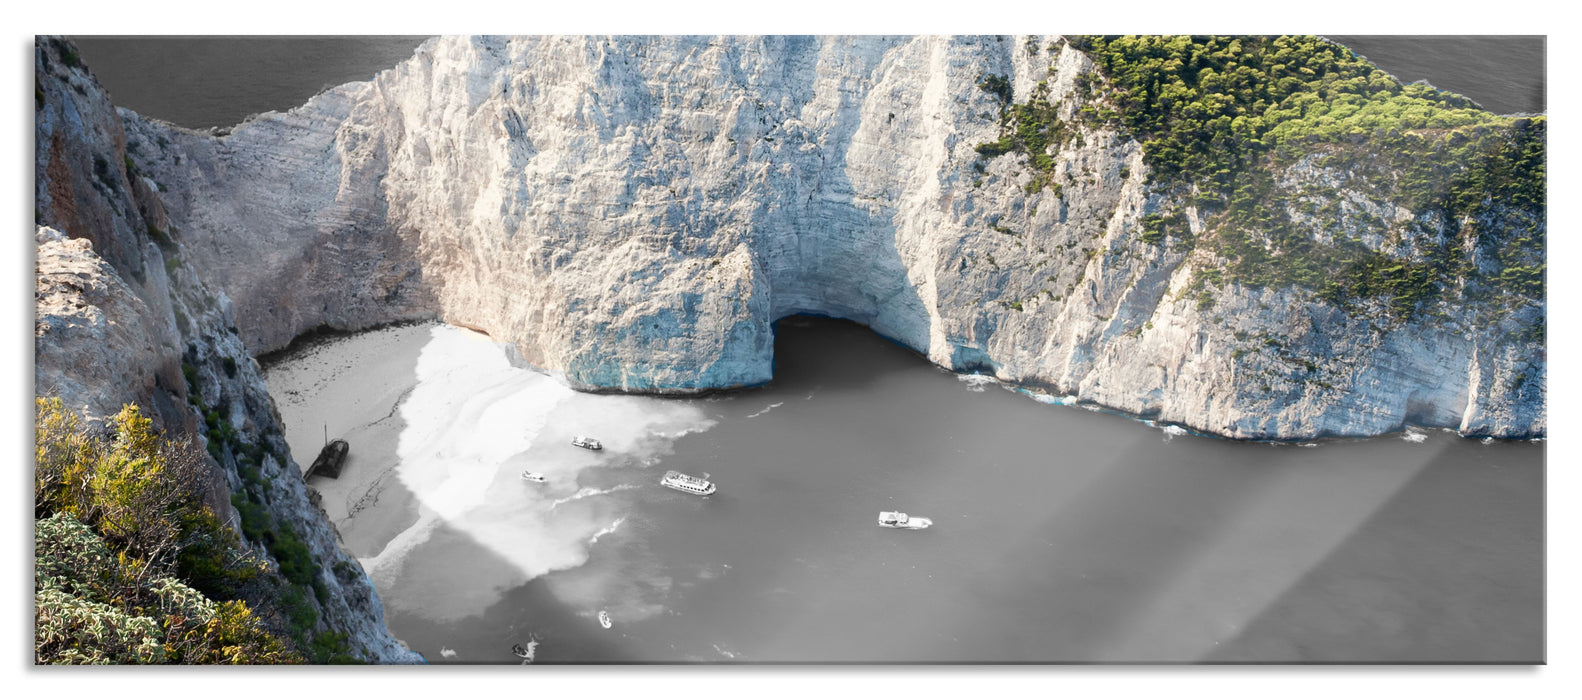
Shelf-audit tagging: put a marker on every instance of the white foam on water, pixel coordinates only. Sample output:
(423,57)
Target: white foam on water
(1172,431)
(767,409)
(1413,435)
(1052,399)
(607,530)
(472,424)
(976,382)
(589,491)
(447,652)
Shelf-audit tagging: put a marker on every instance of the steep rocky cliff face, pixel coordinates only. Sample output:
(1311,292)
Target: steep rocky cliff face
(122,318)
(635,213)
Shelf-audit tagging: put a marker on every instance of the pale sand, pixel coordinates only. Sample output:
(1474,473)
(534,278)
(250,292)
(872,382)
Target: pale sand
(353,387)
(440,425)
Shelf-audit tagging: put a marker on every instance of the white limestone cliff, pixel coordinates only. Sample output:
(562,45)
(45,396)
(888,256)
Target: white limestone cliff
(634,213)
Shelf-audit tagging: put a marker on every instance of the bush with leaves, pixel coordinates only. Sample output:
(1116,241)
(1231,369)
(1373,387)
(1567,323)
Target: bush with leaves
(90,608)
(117,520)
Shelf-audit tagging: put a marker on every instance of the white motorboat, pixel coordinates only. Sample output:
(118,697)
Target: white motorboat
(903,521)
(533,477)
(587,443)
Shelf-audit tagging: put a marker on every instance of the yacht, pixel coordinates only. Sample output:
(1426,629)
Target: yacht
(587,443)
(533,477)
(687,483)
(902,520)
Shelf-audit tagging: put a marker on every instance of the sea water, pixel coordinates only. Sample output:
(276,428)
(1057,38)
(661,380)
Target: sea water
(199,82)
(1060,534)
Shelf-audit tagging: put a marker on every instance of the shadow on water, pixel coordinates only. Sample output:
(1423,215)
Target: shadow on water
(1064,535)
(524,613)
(1449,570)
(354,386)
(1061,535)
(835,353)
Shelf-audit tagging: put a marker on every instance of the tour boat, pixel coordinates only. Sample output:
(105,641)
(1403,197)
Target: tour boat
(587,443)
(689,484)
(902,520)
(530,476)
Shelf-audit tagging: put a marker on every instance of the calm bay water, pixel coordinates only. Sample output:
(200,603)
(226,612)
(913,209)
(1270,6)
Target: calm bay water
(1061,534)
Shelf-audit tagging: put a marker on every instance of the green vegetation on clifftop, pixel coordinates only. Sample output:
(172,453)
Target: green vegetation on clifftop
(1220,117)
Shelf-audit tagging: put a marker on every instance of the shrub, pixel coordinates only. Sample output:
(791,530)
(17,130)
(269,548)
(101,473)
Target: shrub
(90,608)
(115,518)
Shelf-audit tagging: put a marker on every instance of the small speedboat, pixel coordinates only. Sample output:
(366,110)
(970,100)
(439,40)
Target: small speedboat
(902,521)
(604,619)
(587,443)
(687,483)
(533,477)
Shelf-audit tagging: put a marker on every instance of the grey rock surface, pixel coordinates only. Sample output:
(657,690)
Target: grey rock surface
(121,316)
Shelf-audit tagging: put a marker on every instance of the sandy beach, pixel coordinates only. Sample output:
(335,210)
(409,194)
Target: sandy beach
(440,426)
(352,388)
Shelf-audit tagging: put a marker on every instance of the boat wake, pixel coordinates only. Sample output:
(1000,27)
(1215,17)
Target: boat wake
(767,409)
(605,531)
(589,491)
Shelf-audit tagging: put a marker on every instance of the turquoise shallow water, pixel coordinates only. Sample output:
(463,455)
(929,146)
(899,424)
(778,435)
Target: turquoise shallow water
(1061,534)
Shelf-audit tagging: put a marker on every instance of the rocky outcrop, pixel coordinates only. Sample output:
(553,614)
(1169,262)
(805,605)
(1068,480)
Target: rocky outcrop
(635,213)
(121,318)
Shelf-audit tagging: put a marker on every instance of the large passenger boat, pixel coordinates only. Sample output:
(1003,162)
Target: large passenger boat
(688,483)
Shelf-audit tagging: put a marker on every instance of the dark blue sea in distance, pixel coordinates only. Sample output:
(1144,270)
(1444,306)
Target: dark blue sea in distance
(1061,534)
(200,82)
(1503,74)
